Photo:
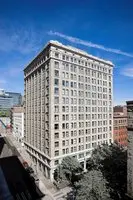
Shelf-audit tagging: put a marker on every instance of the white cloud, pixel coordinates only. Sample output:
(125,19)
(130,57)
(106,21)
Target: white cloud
(90,44)
(127,72)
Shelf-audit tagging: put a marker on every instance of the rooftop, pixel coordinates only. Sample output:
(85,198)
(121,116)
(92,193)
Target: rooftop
(73,49)
(54,42)
(18,109)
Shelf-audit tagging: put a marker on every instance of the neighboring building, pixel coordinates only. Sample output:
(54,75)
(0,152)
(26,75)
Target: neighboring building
(68,105)
(9,99)
(120,110)
(5,100)
(17,121)
(120,125)
(16,98)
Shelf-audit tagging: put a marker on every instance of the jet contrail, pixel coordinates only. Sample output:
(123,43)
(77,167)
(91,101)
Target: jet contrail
(90,44)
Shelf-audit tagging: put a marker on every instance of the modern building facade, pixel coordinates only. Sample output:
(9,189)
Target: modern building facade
(16,98)
(17,122)
(9,99)
(68,105)
(120,125)
(130,149)
(5,100)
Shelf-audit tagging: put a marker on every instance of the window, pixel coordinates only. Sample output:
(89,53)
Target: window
(67,58)
(63,74)
(56,117)
(67,67)
(63,126)
(56,126)
(67,126)
(56,109)
(67,109)
(63,83)
(67,84)
(56,81)
(56,100)
(94,144)
(63,151)
(56,135)
(63,143)
(67,92)
(56,162)
(71,84)
(56,91)
(63,108)
(56,55)
(56,144)
(56,72)
(67,100)
(63,100)
(71,149)
(56,65)
(63,117)
(67,150)
(67,134)
(63,134)
(63,91)
(56,153)
(63,57)
(67,75)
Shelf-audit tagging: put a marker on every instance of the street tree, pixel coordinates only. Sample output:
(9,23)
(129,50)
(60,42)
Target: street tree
(70,169)
(92,187)
(111,160)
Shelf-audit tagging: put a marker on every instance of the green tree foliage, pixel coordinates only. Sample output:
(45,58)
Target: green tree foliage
(92,187)
(70,169)
(112,162)
(59,174)
(4,113)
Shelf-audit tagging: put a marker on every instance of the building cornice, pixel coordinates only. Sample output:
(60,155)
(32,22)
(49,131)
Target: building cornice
(70,49)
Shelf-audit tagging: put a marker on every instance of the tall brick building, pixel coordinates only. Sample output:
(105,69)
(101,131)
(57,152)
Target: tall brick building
(120,125)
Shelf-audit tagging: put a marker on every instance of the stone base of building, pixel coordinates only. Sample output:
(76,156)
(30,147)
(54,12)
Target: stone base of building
(41,164)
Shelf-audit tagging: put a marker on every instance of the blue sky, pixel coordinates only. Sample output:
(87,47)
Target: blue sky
(102,28)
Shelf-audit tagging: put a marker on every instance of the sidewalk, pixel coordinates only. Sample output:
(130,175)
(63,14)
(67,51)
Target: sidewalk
(25,156)
(45,185)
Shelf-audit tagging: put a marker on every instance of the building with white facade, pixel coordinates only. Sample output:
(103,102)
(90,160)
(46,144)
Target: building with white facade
(68,105)
(17,121)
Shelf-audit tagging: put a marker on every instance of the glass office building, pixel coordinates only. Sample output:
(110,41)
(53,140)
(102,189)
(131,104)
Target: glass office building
(9,99)
(16,98)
